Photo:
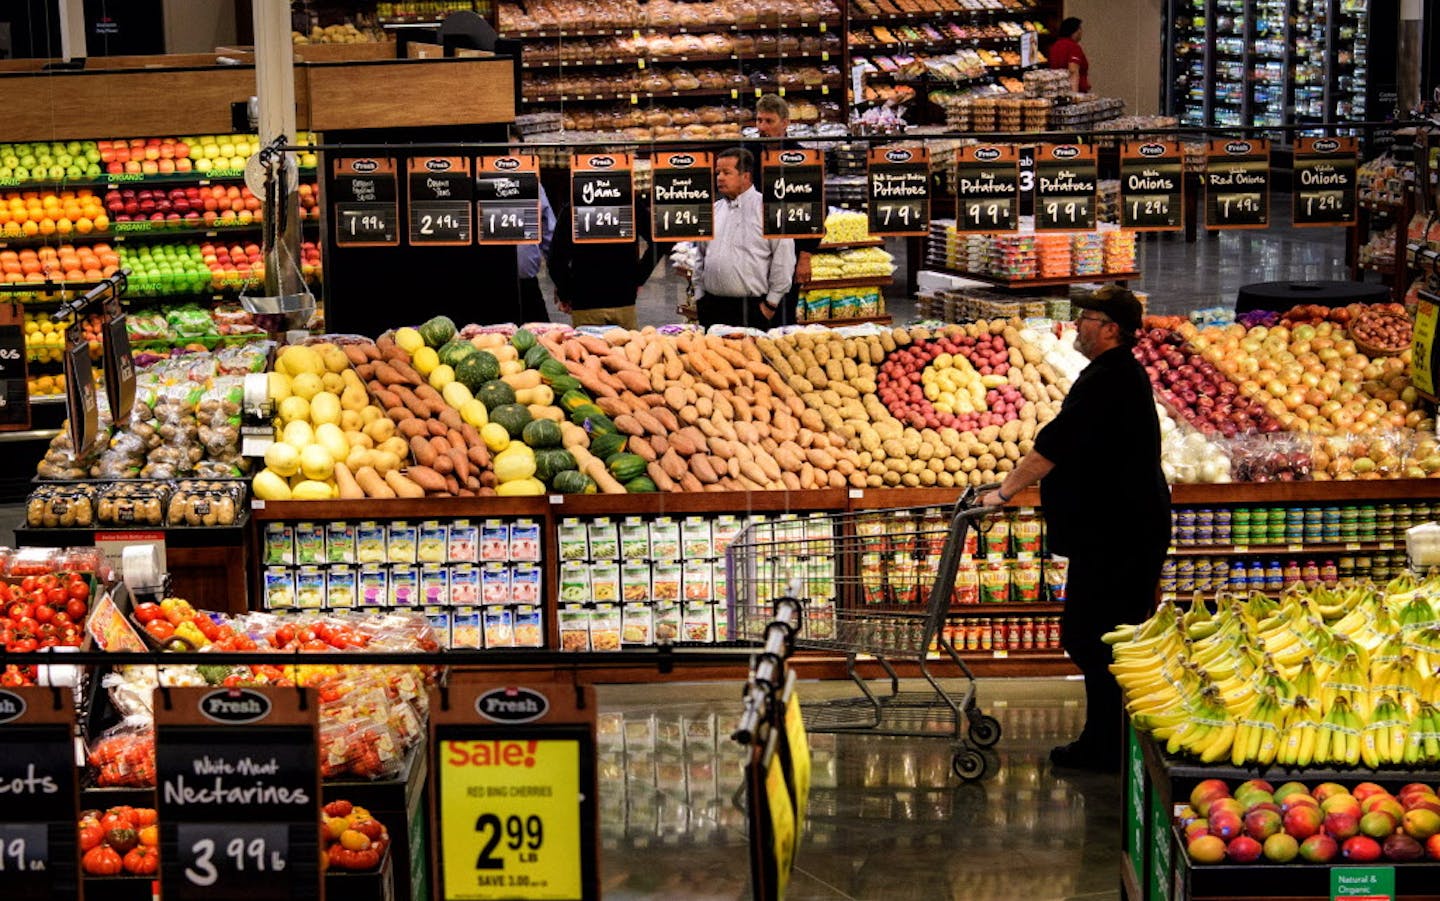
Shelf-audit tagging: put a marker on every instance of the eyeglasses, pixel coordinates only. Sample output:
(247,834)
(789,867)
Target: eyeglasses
(1098,317)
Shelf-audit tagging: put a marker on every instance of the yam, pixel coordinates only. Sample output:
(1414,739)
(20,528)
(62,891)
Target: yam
(427,478)
(423,451)
(660,477)
(372,484)
(402,486)
(641,447)
(413,428)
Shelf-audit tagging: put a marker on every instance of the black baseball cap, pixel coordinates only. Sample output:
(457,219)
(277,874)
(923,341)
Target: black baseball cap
(1119,304)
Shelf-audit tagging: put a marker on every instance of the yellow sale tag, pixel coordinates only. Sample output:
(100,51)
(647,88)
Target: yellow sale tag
(511,826)
(782,92)
(824,89)
(641,62)
(734,94)
(824,56)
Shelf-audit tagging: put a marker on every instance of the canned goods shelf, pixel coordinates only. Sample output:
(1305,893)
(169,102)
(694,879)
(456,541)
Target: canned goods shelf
(1213,550)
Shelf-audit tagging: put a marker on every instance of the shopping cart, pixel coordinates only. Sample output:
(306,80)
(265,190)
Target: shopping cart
(876,584)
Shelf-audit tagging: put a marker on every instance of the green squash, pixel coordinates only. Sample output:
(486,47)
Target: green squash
(535,356)
(455,350)
(437,331)
(570,481)
(641,485)
(541,433)
(607,444)
(572,400)
(476,369)
(552,368)
(524,340)
(624,467)
(495,393)
(512,417)
(562,384)
(551,462)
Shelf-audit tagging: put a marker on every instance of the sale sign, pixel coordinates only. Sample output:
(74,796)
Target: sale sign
(514,792)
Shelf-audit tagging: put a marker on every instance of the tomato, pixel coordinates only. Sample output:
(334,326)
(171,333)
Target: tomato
(117,818)
(147,613)
(56,596)
(76,609)
(44,614)
(21,610)
(90,835)
(101,861)
(12,678)
(142,861)
(160,630)
(28,584)
(78,590)
(25,645)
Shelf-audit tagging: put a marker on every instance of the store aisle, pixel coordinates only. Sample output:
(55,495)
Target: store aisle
(888,820)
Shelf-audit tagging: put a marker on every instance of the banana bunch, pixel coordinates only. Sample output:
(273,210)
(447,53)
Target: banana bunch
(1297,740)
(1257,735)
(1208,733)
(1339,740)
(1349,682)
(1382,741)
(1422,739)
(1400,678)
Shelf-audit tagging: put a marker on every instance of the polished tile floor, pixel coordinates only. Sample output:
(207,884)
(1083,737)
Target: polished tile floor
(888,819)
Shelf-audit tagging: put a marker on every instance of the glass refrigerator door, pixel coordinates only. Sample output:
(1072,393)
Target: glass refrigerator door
(1228,89)
(1267,62)
(1351,46)
(1312,24)
(1188,43)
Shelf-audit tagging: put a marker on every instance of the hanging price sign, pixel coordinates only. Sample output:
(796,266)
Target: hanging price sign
(441,201)
(39,851)
(14,386)
(119,364)
(507,194)
(1423,357)
(84,408)
(987,188)
(238,793)
(602,198)
(792,185)
(367,208)
(514,792)
(1065,185)
(683,205)
(1237,184)
(1325,181)
(898,190)
(1152,186)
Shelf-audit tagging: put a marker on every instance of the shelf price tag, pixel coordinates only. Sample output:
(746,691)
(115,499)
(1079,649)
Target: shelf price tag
(119,364)
(367,206)
(441,198)
(1065,185)
(792,185)
(14,385)
(602,198)
(1237,184)
(683,197)
(1152,186)
(39,850)
(515,792)
(1325,182)
(898,190)
(81,402)
(987,188)
(238,793)
(508,199)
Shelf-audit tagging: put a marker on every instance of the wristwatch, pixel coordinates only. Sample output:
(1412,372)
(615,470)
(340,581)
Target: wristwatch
(1001,492)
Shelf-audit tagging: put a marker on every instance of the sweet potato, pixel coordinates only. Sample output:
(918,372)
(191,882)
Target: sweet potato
(402,486)
(422,450)
(413,428)
(370,482)
(661,479)
(426,478)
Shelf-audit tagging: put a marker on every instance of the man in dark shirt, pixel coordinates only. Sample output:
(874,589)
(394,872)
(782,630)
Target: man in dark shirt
(1107,508)
(597,283)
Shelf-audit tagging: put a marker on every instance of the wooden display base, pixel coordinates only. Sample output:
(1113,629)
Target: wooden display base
(884,319)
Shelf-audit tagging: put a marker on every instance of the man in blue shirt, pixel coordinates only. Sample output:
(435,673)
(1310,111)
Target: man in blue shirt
(528,257)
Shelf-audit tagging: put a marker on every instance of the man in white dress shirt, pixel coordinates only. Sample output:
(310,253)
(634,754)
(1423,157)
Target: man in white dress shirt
(743,276)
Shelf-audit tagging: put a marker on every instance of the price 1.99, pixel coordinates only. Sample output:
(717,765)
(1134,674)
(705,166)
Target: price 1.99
(522,836)
(365,223)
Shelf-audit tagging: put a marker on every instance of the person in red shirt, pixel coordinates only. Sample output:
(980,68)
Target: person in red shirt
(1066,53)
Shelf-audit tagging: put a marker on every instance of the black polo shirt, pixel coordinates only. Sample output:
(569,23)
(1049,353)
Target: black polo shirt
(1107,493)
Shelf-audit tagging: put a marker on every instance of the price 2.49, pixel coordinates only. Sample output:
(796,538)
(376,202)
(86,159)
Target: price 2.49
(524,836)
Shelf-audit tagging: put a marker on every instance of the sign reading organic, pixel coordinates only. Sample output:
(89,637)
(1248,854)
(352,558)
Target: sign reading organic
(441,200)
(898,190)
(238,793)
(507,193)
(1065,186)
(367,208)
(1152,186)
(514,792)
(602,198)
(39,804)
(683,197)
(1237,184)
(987,188)
(792,185)
(1325,181)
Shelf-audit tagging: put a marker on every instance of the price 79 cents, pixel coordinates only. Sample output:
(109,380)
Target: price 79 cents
(202,870)
(906,213)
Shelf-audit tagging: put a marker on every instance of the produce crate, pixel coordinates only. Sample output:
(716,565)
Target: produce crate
(120,888)
(1155,867)
(402,804)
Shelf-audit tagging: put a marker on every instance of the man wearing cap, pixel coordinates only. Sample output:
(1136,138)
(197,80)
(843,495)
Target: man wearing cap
(1107,508)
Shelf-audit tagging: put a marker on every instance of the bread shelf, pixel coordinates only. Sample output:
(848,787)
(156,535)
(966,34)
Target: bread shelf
(733,93)
(652,61)
(646,29)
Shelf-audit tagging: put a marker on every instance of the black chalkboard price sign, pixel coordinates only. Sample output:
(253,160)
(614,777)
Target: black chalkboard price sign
(366,208)
(683,198)
(441,201)
(1237,184)
(1325,181)
(602,198)
(39,851)
(14,387)
(898,191)
(1065,185)
(792,185)
(507,199)
(1152,186)
(987,188)
(238,794)
(80,398)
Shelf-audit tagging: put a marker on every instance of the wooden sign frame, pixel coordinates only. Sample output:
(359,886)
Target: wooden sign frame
(902,170)
(587,169)
(1245,156)
(380,198)
(996,160)
(424,169)
(1149,155)
(525,168)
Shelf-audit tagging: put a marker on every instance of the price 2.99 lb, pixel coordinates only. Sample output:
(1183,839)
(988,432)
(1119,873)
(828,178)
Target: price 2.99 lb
(524,836)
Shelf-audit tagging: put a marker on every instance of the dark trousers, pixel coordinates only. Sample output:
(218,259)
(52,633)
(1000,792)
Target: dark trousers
(1101,592)
(715,309)
(532,302)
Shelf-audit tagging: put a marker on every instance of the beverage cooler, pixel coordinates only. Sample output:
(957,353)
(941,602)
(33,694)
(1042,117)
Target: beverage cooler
(1257,63)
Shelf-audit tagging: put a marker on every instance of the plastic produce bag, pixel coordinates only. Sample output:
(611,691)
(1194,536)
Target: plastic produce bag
(124,755)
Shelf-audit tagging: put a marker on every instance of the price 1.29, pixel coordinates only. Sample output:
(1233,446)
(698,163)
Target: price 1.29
(1315,203)
(789,214)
